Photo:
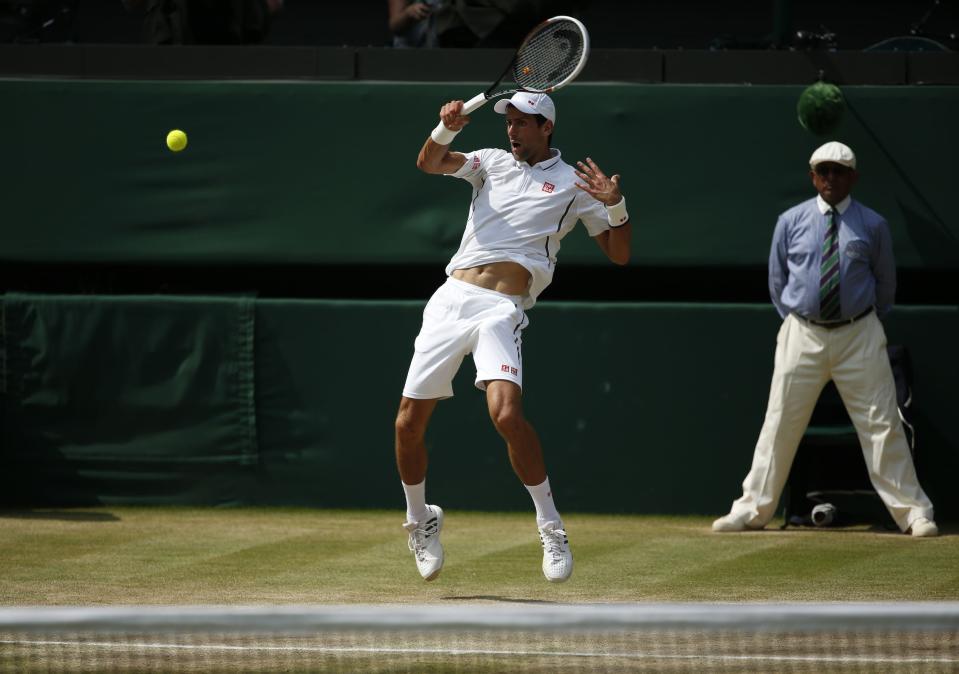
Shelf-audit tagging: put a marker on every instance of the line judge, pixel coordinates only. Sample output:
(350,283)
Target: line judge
(832,276)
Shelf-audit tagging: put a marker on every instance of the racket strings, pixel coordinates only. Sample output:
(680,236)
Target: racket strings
(549,56)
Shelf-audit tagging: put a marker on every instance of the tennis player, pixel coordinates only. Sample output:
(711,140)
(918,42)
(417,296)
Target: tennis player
(524,202)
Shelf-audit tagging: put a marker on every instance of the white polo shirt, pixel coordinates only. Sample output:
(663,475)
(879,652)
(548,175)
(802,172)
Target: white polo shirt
(519,213)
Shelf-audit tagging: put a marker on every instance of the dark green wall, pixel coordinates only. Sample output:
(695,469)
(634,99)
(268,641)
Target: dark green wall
(641,407)
(650,408)
(323,172)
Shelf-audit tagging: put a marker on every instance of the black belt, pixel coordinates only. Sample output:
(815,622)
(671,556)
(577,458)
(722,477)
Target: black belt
(836,324)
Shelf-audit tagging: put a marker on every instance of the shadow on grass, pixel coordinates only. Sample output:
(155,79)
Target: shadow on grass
(62,515)
(852,528)
(493,597)
(947,529)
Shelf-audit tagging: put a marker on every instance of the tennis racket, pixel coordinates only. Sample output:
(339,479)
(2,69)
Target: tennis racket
(550,57)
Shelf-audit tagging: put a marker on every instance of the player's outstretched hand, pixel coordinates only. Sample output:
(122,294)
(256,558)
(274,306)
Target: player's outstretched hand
(452,119)
(597,184)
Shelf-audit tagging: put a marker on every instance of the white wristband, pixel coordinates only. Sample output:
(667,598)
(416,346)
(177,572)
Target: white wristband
(442,135)
(616,214)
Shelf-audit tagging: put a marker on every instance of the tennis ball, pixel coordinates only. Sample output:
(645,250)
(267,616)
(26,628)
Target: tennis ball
(820,108)
(176,140)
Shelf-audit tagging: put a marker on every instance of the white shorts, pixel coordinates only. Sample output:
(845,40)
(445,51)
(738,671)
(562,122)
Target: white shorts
(461,318)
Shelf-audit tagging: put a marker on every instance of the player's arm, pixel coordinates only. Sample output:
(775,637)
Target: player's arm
(616,241)
(435,155)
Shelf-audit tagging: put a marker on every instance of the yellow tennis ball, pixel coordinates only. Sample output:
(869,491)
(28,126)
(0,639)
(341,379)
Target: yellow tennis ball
(176,140)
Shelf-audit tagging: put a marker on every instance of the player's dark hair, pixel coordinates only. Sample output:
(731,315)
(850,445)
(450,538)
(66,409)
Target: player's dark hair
(540,120)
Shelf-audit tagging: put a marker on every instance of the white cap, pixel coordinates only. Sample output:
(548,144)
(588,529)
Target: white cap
(530,103)
(834,152)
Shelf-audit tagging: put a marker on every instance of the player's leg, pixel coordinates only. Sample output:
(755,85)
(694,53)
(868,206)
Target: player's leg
(801,370)
(410,432)
(864,379)
(423,522)
(438,352)
(498,357)
(505,402)
(497,353)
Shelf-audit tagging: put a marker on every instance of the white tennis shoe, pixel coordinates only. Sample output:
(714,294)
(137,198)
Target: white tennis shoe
(730,522)
(557,557)
(924,527)
(425,544)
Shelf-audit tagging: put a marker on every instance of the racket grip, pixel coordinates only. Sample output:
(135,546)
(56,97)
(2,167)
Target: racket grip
(474,103)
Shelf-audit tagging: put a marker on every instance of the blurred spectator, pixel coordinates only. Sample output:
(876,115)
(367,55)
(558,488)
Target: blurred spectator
(413,22)
(28,21)
(496,23)
(206,21)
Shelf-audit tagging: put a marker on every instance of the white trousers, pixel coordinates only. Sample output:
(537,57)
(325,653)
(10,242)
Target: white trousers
(855,358)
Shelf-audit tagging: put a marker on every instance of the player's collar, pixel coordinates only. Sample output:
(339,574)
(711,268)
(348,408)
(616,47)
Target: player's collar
(546,164)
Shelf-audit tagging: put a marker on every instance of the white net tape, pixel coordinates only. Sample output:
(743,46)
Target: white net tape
(485,638)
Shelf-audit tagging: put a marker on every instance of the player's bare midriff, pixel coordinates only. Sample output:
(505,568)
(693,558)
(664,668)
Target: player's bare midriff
(508,278)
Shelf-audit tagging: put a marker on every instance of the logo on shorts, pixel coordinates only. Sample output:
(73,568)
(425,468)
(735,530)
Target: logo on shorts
(548,187)
(510,370)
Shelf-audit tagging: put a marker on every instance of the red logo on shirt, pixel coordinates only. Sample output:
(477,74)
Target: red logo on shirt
(508,369)
(476,162)
(504,368)
(548,187)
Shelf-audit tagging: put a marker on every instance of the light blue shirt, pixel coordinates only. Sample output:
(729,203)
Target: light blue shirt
(867,268)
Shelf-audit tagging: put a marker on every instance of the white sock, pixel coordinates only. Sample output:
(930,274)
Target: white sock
(543,500)
(415,501)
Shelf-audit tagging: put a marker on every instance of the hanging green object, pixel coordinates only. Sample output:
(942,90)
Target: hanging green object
(820,108)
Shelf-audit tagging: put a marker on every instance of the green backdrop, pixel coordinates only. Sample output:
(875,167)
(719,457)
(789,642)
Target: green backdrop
(649,408)
(644,408)
(319,172)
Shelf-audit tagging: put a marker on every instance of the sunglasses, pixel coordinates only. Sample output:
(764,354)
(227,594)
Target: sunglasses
(824,170)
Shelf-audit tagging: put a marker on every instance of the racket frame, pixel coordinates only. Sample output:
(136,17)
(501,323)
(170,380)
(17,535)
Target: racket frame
(482,98)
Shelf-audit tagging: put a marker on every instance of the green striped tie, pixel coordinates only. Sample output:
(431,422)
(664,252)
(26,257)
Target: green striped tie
(829,272)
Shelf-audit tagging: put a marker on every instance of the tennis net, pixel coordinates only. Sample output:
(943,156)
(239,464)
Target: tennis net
(889,637)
